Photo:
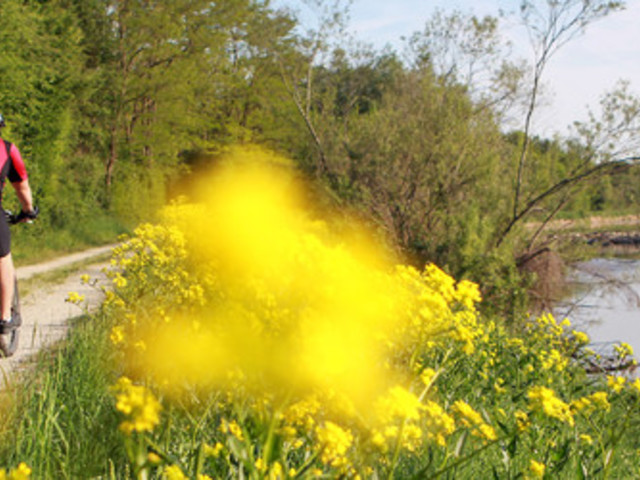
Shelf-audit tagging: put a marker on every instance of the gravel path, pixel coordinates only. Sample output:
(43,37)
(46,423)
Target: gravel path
(44,310)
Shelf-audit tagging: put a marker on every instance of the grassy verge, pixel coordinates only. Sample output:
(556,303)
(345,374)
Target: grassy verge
(59,274)
(59,418)
(33,243)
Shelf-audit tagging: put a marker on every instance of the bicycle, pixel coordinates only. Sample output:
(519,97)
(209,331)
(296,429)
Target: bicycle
(9,340)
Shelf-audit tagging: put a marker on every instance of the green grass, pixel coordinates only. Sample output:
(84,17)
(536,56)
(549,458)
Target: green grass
(59,274)
(60,419)
(33,243)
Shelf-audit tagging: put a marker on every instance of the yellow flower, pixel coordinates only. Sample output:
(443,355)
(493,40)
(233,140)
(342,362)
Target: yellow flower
(580,337)
(487,432)
(411,437)
(586,439)
(117,335)
(467,293)
(522,421)
(468,415)
(138,404)
(379,440)
(213,451)
(119,281)
(233,428)
(276,471)
(588,404)
(616,383)
(553,360)
(497,386)
(22,472)
(399,403)
(260,465)
(74,297)
(543,398)
(472,419)
(601,400)
(173,472)
(334,441)
(153,457)
(439,424)
(427,376)
(624,350)
(536,469)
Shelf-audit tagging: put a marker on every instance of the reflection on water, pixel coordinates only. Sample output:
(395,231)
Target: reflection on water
(606,302)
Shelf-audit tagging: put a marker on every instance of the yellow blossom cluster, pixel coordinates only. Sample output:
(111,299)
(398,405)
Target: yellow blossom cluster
(254,283)
(591,403)
(536,470)
(318,334)
(138,404)
(21,472)
(474,421)
(334,442)
(545,400)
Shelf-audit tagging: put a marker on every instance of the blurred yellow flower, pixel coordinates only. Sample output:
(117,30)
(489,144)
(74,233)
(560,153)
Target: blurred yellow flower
(624,350)
(580,337)
(616,383)
(22,472)
(138,404)
(334,442)
(74,297)
(173,472)
(213,451)
(233,428)
(399,403)
(427,376)
(438,424)
(522,421)
(543,398)
(468,415)
(117,334)
(536,469)
(586,439)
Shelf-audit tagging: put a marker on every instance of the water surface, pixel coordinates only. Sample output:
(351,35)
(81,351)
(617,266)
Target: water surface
(606,302)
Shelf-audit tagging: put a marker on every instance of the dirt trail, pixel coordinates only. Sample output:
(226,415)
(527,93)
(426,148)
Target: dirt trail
(44,310)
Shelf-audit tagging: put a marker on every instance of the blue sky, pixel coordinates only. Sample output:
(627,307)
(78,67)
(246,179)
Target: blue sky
(576,77)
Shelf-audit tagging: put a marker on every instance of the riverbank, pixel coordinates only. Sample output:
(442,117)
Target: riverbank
(618,222)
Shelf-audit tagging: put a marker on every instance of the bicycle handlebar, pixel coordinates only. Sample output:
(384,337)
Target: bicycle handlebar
(26,217)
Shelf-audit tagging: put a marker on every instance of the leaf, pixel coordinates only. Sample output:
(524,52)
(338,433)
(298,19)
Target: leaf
(512,448)
(461,442)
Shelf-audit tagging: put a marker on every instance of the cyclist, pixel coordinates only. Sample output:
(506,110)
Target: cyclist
(12,168)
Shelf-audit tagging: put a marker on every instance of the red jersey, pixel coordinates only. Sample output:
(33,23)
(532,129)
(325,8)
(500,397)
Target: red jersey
(11,165)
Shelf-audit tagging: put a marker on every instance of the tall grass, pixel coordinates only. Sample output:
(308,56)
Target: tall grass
(62,422)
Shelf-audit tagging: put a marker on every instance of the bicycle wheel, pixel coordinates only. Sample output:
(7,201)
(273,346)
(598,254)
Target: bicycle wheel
(9,341)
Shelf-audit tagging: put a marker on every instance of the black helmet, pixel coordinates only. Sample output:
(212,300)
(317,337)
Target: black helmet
(2,124)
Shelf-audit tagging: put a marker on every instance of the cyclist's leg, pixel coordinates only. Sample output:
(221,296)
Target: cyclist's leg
(6,286)
(6,270)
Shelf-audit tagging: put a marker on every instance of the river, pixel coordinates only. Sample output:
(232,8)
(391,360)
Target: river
(606,301)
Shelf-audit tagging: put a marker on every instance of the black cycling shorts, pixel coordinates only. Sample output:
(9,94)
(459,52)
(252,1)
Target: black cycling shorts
(5,235)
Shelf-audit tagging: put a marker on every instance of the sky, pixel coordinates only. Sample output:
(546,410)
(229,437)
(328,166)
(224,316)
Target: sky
(576,77)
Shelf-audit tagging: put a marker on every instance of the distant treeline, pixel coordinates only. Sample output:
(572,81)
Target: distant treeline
(113,102)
